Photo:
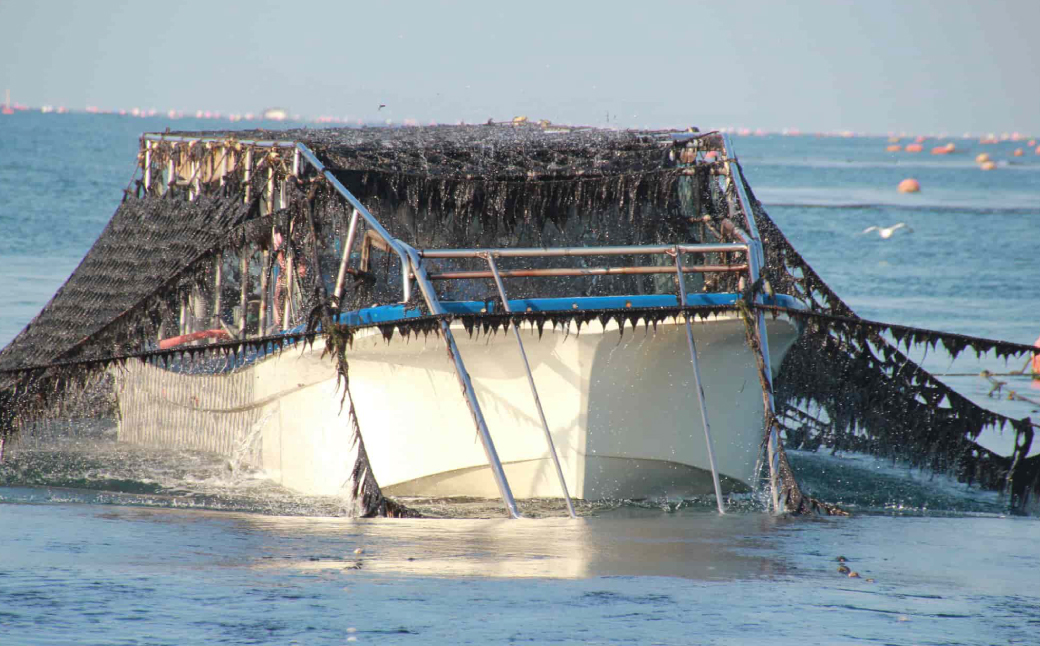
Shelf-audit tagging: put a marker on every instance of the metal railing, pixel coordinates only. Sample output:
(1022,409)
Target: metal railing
(559,252)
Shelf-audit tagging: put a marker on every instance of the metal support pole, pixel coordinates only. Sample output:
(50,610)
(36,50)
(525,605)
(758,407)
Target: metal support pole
(534,390)
(193,187)
(265,279)
(248,173)
(172,170)
(200,311)
(226,150)
(680,276)
(463,376)
(283,197)
(290,258)
(756,259)
(270,187)
(347,246)
(243,297)
(772,454)
(288,283)
(146,168)
(738,187)
(218,284)
(183,323)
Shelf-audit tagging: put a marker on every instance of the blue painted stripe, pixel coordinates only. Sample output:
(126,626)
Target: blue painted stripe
(380,314)
(391,313)
(397,312)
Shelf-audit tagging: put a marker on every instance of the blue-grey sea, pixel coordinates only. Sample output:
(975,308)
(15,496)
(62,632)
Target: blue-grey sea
(108,544)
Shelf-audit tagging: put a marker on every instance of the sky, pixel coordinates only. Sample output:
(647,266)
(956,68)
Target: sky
(877,66)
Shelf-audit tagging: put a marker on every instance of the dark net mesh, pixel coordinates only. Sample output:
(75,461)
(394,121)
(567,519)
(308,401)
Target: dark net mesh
(148,245)
(847,387)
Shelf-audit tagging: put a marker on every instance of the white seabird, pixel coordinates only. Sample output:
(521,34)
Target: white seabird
(886,232)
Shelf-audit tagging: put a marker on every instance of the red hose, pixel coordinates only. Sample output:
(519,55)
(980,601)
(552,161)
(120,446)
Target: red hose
(175,341)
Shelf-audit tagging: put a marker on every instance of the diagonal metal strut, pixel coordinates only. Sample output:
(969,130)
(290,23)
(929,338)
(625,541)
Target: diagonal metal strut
(412,264)
(697,381)
(534,390)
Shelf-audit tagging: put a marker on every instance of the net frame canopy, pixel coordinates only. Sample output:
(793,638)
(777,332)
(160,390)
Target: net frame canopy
(233,231)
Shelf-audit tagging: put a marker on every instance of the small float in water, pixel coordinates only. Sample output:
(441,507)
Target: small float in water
(909,185)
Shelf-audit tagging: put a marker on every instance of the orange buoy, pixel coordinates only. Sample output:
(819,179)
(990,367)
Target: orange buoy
(941,150)
(982,158)
(1036,361)
(1018,152)
(913,148)
(1031,143)
(894,148)
(920,138)
(1038,150)
(909,185)
(988,165)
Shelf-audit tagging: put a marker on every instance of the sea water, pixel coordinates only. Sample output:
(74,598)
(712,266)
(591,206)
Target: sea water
(102,543)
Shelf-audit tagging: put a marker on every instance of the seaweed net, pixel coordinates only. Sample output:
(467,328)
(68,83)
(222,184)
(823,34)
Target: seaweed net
(225,251)
(847,386)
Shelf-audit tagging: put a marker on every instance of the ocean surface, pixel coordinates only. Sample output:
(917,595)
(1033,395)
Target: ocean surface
(107,544)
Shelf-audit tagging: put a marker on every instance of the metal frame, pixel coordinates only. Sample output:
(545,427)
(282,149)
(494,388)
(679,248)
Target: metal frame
(341,276)
(259,143)
(412,267)
(756,260)
(675,251)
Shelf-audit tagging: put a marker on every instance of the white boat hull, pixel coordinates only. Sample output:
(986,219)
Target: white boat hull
(623,412)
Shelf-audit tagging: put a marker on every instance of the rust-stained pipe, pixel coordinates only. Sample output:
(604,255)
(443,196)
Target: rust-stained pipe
(556,252)
(586,271)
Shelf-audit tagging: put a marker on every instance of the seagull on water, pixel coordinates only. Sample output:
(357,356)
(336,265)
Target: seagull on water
(886,232)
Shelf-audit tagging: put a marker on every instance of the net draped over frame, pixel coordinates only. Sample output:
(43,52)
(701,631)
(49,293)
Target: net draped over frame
(231,248)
